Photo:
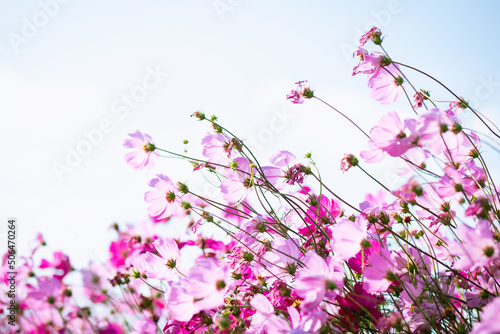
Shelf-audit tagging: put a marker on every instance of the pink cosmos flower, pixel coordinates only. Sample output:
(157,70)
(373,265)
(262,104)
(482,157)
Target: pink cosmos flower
(239,181)
(434,206)
(359,300)
(295,174)
(119,250)
(368,63)
(373,154)
(302,92)
(457,107)
(144,326)
(48,292)
(477,248)
(218,148)
(179,303)
(281,260)
(479,208)
(272,176)
(95,280)
(419,97)
(386,84)
(324,212)
(454,182)
(347,162)
(111,328)
(168,259)
(251,230)
(237,212)
(207,283)
(390,135)
(489,319)
(480,296)
(428,131)
(300,323)
(348,237)
(381,273)
(264,310)
(144,154)
(318,279)
(60,262)
(358,262)
(165,201)
(282,159)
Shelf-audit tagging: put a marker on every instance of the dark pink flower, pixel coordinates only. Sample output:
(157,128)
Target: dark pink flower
(207,283)
(144,154)
(119,250)
(373,34)
(302,92)
(358,301)
(60,262)
(419,99)
(295,174)
(347,162)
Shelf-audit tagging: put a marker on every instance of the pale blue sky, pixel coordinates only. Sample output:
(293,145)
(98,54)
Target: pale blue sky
(236,59)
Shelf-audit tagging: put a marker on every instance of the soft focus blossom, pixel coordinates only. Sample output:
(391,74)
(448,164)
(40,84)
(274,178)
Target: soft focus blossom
(489,319)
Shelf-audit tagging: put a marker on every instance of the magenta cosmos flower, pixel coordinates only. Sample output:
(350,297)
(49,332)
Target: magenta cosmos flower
(302,92)
(144,154)
(373,34)
(165,200)
(60,262)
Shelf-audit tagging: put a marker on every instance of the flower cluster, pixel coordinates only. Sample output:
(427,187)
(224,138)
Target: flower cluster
(421,258)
